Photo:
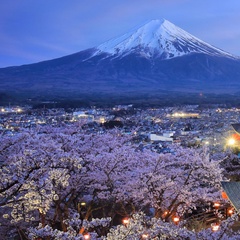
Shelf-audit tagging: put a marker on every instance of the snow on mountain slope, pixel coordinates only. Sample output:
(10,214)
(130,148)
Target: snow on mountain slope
(158,38)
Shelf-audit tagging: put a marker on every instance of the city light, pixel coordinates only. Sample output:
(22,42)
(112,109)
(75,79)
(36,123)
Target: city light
(178,114)
(215,227)
(145,236)
(216,205)
(86,236)
(125,221)
(230,211)
(231,141)
(102,120)
(176,219)
(165,212)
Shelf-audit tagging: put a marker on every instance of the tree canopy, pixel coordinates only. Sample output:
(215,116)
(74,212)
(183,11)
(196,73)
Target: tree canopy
(61,182)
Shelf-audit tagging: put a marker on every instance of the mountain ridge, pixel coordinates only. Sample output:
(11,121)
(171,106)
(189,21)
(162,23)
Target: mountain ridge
(141,66)
(159,36)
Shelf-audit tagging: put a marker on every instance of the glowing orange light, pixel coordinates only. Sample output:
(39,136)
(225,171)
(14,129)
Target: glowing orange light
(145,236)
(215,227)
(165,214)
(236,136)
(231,141)
(224,195)
(125,221)
(230,211)
(86,236)
(216,204)
(176,219)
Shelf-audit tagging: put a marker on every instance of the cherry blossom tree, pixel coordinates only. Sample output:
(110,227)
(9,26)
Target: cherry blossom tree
(51,176)
(142,227)
(231,165)
(36,173)
(177,182)
(48,172)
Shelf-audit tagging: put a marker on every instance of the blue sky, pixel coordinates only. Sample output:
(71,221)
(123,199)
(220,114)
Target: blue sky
(38,30)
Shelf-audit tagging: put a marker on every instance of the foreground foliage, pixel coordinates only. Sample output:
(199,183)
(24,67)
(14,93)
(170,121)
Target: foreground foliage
(58,183)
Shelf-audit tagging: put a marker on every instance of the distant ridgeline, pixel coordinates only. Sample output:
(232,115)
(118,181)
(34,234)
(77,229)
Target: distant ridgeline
(156,64)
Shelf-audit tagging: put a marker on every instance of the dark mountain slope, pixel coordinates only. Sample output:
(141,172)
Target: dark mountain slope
(155,62)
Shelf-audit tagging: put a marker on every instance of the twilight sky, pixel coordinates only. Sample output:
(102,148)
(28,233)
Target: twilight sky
(33,31)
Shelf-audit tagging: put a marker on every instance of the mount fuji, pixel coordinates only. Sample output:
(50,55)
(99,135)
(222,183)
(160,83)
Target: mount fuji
(158,39)
(156,63)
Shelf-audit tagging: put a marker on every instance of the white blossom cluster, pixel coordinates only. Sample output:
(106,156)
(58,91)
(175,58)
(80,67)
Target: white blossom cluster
(72,233)
(95,222)
(141,227)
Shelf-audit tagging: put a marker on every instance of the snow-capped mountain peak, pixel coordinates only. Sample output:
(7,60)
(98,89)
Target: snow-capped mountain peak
(158,38)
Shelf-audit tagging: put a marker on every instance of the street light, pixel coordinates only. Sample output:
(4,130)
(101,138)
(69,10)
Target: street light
(81,206)
(215,227)
(231,141)
(165,214)
(125,221)
(216,205)
(230,211)
(145,236)
(176,220)
(86,236)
